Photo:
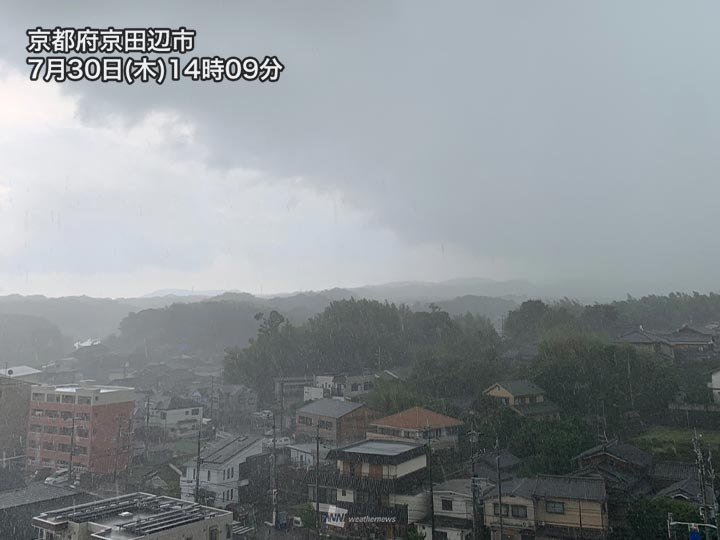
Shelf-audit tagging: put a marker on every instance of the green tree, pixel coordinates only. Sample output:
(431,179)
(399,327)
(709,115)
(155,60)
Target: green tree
(647,518)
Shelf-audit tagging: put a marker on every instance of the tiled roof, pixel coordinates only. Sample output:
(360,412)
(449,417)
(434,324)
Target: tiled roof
(520,387)
(417,418)
(561,487)
(623,451)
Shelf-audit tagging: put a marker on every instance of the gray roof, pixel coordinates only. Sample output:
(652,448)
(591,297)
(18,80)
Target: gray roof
(458,485)
(221,452)
(569,487)
(687,489)
(548,487)
(638,337)
(34,493)
(333,408)
(521,387)
(623,451)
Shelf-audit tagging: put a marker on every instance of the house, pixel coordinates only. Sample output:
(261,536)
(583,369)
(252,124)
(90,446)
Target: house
(629,472)
(223,471)
(547,507)
(486,467)
(418,425)
(83,427)
(685,343)
(453,506)
(14,408)
(175,416)
(525,398)
(303,455)
(137,516)
(340,422)
(689,343)
(688,490)
(646,341)
(345,386)
(375,487)
(19,505)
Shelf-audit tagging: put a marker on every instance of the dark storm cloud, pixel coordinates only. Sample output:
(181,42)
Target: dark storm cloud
(570,140)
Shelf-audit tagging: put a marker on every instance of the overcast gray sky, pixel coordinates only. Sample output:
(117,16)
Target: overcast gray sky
(406,140)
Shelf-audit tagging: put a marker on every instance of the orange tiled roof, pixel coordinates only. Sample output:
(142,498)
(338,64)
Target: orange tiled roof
(417,418)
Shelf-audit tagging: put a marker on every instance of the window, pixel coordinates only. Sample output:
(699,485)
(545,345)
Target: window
(163,416)
(519,511)
(496,509)
(324,424)
(195,412)
(447,505)
(208,476)
(440,535)
(305,420)
(354,387)
(187,413)
(84,400)
(552,507)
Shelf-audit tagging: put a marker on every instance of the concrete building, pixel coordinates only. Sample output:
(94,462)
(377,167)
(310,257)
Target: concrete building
(418,425)
(340,422)
(86,427)
(138,516)
(177,417)
(14,406)
(224,474)
(452,503)
(377,488)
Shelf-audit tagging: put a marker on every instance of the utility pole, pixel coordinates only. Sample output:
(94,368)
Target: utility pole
(428,458)
(72,449)
(712,484)
(197,466)
(499,484)
(212,398)
(147,426)
(117,449)
(317,477)
(473,440)
(701,479)
(282,406)
(275,477)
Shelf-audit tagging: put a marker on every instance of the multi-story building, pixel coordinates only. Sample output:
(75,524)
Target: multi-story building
(86,427)
(548,507)
(14,406)
(175,416)
(224,473)
(418,425)
(138,516)
(377,488)
(453,506)
(340,422)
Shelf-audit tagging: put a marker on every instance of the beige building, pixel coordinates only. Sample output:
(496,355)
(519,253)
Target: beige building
(525,398)
(548,507)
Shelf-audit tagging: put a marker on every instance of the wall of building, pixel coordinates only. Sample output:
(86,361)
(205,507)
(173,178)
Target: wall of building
(589,513)
(14,407)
